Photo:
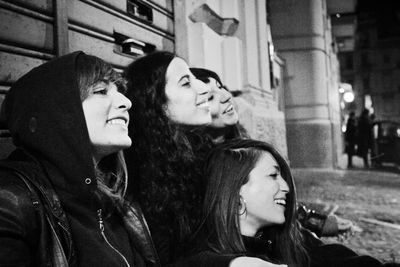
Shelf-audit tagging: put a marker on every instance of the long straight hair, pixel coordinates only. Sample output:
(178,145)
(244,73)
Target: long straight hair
(111,171)
(227,170)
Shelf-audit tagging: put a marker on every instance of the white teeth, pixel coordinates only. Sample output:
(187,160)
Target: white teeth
(117,121)
(204,104)
(230,108)
(280,202)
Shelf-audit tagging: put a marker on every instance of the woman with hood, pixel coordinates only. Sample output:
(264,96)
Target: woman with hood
(62,189)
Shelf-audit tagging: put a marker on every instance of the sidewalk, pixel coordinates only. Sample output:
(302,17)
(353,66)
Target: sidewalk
(359,165)
(370,198)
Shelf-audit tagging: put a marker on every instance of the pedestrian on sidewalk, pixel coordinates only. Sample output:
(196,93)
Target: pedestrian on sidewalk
(351,138)
(375,162)
(364,137)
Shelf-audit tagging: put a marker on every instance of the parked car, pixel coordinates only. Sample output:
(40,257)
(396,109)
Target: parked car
(388,141)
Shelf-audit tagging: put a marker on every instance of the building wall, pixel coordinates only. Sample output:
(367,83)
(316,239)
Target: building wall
(377,60)
(303,37)
(377,71)
(240,56)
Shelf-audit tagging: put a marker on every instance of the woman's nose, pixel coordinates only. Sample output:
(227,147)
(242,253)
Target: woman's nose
(201,87)
(225,96)
(122,101)
(283,185)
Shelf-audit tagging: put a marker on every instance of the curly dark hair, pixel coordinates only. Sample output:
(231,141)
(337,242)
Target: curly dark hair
(160,161)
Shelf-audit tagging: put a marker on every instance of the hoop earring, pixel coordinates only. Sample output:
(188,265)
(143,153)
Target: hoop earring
(242,203)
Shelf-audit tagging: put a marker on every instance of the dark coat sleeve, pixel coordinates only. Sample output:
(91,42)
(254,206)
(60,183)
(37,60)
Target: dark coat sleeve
(163,245)
(18,227)
(331,255)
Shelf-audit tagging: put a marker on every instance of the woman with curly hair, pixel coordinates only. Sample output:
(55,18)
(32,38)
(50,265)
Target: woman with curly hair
(168,102)
(250,210)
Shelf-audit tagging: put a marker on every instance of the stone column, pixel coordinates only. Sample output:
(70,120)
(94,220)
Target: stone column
(300,32)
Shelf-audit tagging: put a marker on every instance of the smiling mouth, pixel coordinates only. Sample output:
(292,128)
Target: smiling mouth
(228,109)
(118,121)
(203,104)
(280,201)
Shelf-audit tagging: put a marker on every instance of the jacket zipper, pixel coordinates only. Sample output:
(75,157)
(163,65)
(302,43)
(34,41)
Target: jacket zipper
(101,226)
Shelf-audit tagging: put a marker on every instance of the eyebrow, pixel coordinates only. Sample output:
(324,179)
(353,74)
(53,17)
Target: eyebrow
(100,83)
(183,77)
(276,168)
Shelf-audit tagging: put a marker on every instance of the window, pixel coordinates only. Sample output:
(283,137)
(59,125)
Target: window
(364,59)
(130,46)
(386,58)
(366,83)
(140,10)
(349,61)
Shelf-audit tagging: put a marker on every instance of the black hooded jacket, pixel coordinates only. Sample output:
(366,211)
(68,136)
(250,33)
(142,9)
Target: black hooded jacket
(44,114)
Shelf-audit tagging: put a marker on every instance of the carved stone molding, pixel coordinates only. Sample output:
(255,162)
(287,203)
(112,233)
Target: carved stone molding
(222,26)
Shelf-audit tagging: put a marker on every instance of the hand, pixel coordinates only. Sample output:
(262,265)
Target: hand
(252,262)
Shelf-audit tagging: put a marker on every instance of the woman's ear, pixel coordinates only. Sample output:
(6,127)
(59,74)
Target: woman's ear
(242,210)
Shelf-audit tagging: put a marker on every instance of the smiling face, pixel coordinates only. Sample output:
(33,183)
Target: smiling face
(187,97)
(107,118)
(223,112)
(264,195)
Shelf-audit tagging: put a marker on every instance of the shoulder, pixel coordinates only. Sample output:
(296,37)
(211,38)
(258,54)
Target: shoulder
(19,219)
(16,201)
(14,196)
(19,224)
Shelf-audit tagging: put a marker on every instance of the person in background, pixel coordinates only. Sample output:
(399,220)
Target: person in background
(364,137)
(225,126)
(250,210)
(351,138)
(375,162)
(62,200)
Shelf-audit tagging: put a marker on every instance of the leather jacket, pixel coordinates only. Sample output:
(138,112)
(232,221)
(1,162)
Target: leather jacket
(38,233)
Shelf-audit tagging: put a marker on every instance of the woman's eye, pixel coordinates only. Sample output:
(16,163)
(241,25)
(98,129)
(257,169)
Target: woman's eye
(211,98)
(185,82)
(274,175)
(100,91)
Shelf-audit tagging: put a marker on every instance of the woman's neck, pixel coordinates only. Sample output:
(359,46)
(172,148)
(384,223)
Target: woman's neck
(248,229)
